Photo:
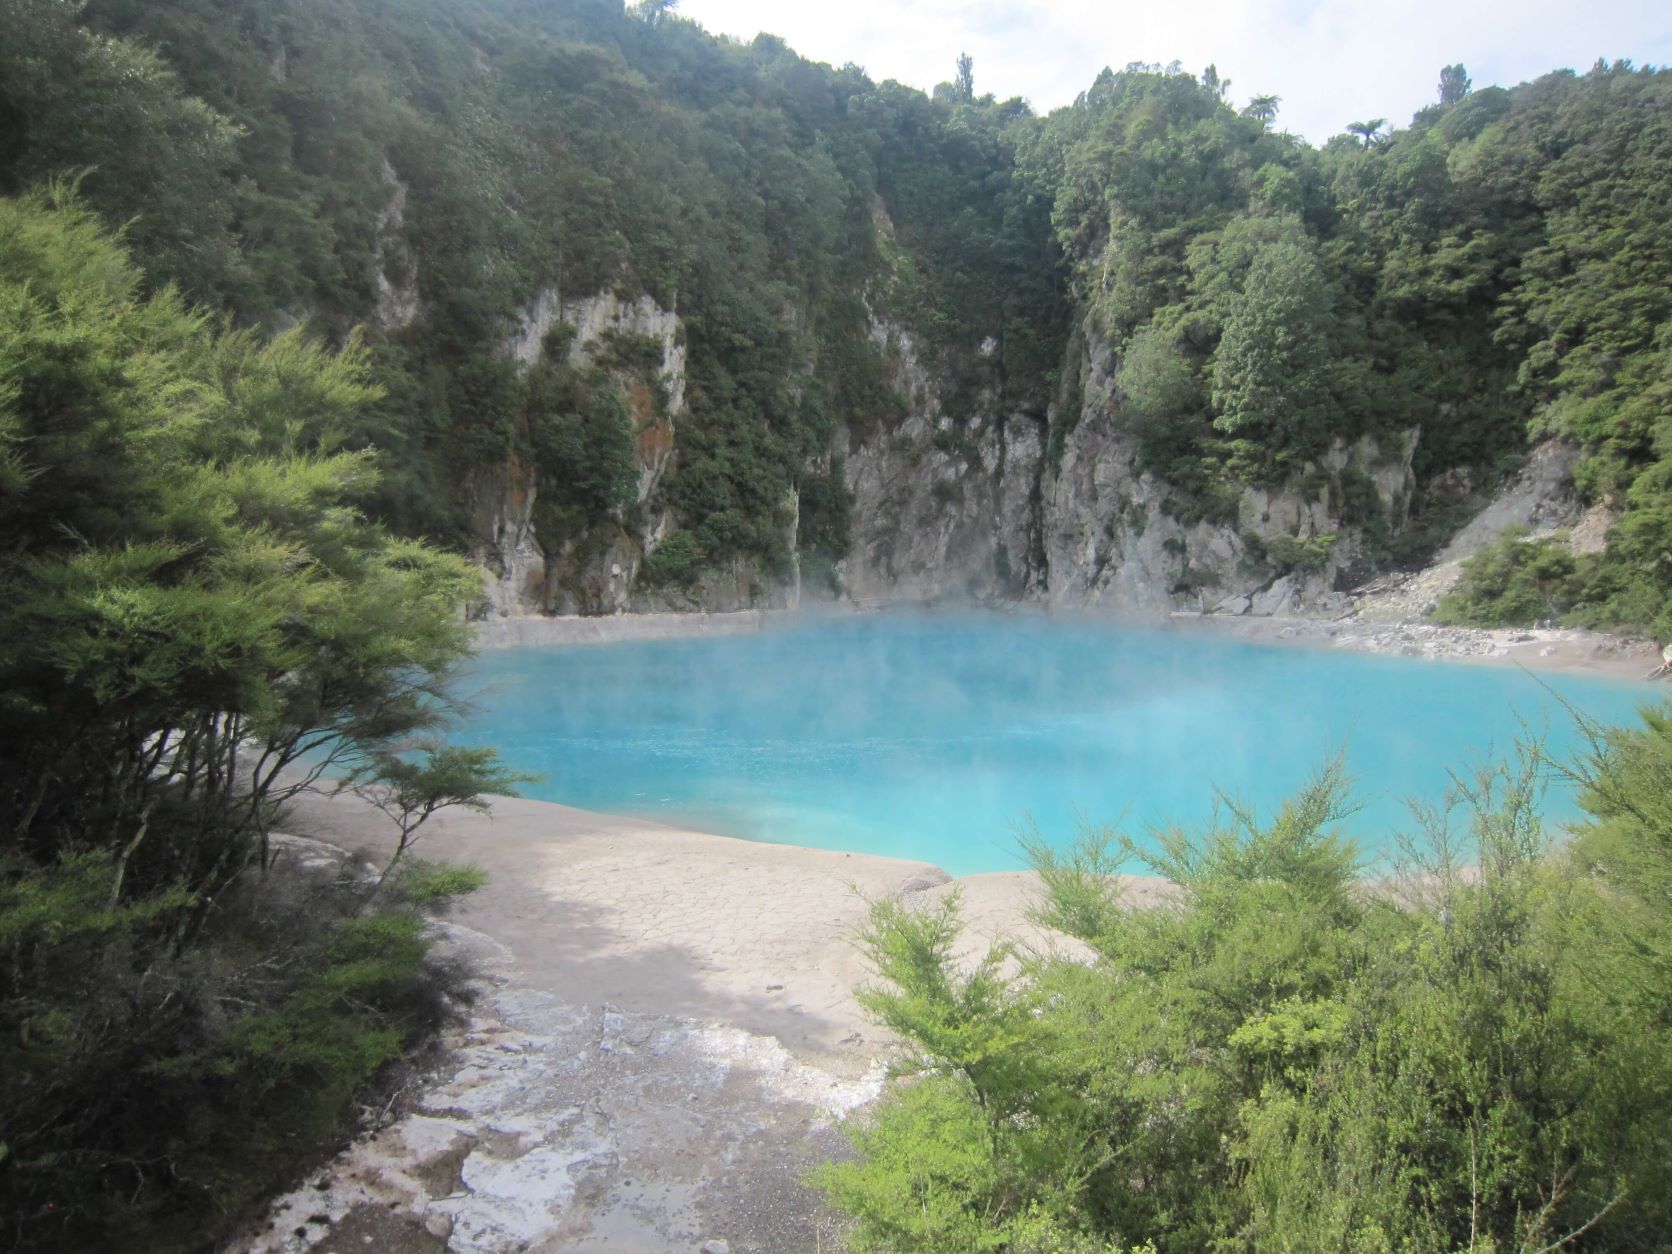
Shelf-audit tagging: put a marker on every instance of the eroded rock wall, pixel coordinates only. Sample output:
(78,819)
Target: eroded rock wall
(962,500)
(1114,536)
(513,563)
(943,501)
(595,572)
(396,268)
(978,506)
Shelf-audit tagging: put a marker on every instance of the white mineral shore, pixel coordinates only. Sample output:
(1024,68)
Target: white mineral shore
(595,907)
(1555,649)
(520,630)
(664,1040)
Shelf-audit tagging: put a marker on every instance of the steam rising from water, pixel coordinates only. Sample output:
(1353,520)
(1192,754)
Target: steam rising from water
(931,737)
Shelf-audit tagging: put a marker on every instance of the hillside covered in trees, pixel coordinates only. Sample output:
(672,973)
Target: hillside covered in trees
(1493,274)
(306,305)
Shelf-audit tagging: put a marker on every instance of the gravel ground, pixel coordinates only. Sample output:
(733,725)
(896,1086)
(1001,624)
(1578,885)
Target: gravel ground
(663,1041)
(552,1126)
(1392,616)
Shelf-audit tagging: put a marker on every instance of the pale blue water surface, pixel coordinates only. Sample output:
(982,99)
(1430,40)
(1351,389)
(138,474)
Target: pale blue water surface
(931,737)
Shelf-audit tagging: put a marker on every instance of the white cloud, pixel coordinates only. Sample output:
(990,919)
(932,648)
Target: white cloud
(1332,62)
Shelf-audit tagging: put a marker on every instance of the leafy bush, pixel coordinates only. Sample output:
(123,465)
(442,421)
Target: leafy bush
(150,1094)
(825,516)
(674,562)
(1282,1056)
(582,439)
(1361,502)
(629,353)
(1296,552)
(431,885)
(1514,583)
(196,623)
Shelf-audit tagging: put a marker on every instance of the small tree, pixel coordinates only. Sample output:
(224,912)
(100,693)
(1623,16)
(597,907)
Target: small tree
(964,85)
(197,619)
(1454,84)
(1263,109)
(411,789)
(1370,133)
(655,12)
(1271,371)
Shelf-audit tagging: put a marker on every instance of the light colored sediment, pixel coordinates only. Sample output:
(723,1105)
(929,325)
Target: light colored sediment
(1390,620)
(551,1125)
(539,629)
(1554,649)
(665,1041)
(595,908)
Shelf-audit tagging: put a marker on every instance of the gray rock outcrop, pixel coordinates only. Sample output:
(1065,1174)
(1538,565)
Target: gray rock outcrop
(595,572)
(966,497)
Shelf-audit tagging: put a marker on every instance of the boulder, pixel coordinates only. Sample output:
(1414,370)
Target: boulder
(1276,599)
(921,881)
(1233,605)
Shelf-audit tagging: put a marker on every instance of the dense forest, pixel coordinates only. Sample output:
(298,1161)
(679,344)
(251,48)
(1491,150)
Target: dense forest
(267,270)
(1493,274)
(574,145)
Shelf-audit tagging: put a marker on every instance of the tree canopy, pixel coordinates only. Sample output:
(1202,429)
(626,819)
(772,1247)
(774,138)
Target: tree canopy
(1493,272)
(197,620)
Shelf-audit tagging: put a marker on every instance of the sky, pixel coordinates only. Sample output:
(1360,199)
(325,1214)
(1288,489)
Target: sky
(1331,61)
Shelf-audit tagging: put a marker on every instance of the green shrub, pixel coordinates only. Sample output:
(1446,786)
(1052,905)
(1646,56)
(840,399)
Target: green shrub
(1515,583)
(582,439)
(1361,502)
(151,1095)
(629,353)
(1296,552)
(196,620)
(826,517)
(1282,1056)
(429,885)
(674,562)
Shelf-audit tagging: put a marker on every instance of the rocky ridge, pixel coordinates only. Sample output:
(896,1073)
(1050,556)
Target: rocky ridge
(994,505)
(592,573)
(942,502)
(966,499)
(597,572)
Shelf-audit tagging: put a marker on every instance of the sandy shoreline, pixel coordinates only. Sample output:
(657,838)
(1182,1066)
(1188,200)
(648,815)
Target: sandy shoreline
(597,908)
(533,629)
(1560,650)
(662,1044)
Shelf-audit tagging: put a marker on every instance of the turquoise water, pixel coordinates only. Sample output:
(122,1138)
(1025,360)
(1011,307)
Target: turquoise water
(932,737)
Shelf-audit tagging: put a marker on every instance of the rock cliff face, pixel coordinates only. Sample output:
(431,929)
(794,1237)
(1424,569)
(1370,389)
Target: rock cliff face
(944,503)
(962,500)
(593,573)
(397,289)
(1113,538)
(508,550)
(977,507)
